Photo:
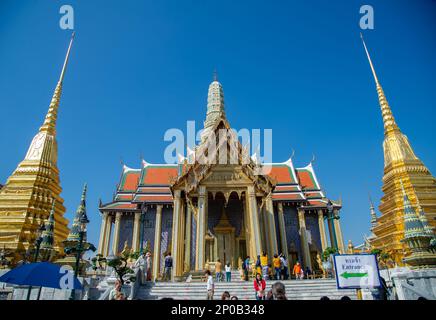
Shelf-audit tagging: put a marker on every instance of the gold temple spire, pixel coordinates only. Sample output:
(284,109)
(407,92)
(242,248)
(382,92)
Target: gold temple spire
(388,118)
(52,114)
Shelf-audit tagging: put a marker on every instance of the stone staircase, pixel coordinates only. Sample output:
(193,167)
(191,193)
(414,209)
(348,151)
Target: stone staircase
(295,290)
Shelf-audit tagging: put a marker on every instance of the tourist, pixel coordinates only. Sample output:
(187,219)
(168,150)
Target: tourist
(324,298)
(382,292)
(264,264)
(246,267)
(116,293)
(241,271)
(345,298)
(148,265)
(140,263)
(234,298)
(308,272)
(168,266)
(259,287)
(284,262)
(210,285)
(297,270)
(228,272)
(258,265)
(218,269)
(279,291)
(277,266)
(225,295)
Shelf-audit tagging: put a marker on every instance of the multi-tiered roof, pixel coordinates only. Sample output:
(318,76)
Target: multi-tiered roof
(152,183)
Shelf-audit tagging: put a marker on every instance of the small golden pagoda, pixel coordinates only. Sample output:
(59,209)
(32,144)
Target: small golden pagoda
(28,195)
(400,164)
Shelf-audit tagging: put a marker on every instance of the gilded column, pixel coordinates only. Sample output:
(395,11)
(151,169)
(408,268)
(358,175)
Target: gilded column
(337,226)
(136,232)
(256,247)
(201,225)
(157,239)
(175,246)
(272,234)
(322,233)
(101,241)
(303,237)
(107,237)
(282,228)
(115,243)
(187,265)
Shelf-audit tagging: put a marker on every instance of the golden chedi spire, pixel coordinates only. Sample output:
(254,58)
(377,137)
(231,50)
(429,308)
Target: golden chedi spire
(400,164)
(27,197)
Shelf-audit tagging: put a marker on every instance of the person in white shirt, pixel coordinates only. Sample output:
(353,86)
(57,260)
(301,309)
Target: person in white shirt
(210,285)
(141,264)
(285,270)
(228,272)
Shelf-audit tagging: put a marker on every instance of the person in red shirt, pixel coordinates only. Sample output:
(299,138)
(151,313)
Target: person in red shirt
(259,287)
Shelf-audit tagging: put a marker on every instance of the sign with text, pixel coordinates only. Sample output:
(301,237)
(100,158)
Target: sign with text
(356,271)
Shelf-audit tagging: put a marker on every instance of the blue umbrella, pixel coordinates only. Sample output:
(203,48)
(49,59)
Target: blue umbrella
(42,274)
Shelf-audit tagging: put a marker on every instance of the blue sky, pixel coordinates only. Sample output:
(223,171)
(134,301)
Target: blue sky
(138,68)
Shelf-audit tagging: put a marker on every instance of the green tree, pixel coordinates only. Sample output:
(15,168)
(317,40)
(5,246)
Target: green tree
(327,252)
(121,268)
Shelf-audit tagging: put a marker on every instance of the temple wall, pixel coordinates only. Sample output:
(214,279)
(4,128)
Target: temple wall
(166,236)
(149,228)
(313,227)
(292,231)
(126,231)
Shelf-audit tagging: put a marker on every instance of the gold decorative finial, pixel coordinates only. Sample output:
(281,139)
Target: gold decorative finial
(388,118)
(369,59)
(52,114)
(61,78)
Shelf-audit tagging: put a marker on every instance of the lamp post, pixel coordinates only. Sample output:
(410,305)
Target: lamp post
(79,249)
(331,218)
(38,241)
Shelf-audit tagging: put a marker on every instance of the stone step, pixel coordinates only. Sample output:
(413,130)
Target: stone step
(295,290)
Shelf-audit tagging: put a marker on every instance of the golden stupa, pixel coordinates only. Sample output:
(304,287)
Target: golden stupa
(400,164)
(26,198)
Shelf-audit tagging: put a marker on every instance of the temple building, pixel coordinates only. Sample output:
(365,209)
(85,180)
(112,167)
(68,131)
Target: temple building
(204,210)
(401,165)
(27,197)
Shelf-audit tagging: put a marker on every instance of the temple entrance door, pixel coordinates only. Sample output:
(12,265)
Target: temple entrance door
(225,247)
(225,237)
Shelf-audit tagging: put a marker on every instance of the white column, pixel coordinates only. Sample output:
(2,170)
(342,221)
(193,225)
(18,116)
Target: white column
(136,232)
(304,243)
(116,239)
(254,220)
(157,239)
(187,265)
(175,233)
(282,227)
(322,233)
(102,233)
(107,237)
(201,228)
(272,234)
